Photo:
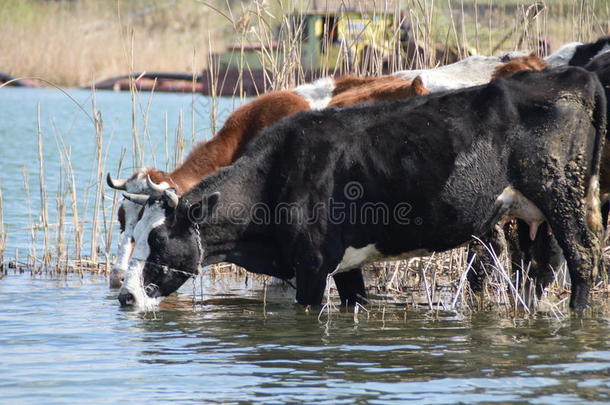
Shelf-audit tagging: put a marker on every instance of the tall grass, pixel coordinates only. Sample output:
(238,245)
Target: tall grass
(76,42)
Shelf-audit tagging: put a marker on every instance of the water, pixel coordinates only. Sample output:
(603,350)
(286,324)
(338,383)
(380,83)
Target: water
(63,121)
(66,340)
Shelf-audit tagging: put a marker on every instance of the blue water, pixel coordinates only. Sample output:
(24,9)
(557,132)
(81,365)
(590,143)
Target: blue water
(67,341)
(67,121)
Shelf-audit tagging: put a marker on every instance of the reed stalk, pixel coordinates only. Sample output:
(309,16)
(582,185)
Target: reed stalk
(28,199)
(44,210)
(179,141)
(60,246)
(77,228)
(3,233)
(99,177)
(145,116)
(109,223)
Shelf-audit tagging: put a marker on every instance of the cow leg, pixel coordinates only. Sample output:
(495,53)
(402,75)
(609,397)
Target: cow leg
(350,285)
(514,251)
(582,253)
(566,212)
(483,260)
(543,255)
(310,288)
(311,281)
(605,214)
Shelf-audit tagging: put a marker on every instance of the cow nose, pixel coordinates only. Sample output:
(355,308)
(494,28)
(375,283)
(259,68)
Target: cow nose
(126,299)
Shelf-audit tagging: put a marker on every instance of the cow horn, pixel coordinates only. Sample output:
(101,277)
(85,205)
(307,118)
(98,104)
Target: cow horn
(120,184)
(136,198)
(172,198)
(154,186)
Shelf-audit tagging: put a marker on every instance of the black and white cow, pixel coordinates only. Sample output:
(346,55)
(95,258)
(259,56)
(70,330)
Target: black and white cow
(325,192)
(577,53)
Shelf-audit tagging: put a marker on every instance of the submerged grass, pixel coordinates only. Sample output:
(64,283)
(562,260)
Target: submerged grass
(437,283)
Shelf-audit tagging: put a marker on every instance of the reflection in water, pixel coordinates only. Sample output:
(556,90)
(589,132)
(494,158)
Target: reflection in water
(238,342)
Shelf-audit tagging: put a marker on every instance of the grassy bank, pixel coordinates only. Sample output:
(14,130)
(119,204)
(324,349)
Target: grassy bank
(75,42)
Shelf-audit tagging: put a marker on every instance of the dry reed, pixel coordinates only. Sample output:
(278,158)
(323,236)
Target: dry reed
(76,42)
(3,233)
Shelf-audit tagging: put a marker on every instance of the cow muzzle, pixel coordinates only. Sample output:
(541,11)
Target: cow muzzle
(126,299)
(134,292)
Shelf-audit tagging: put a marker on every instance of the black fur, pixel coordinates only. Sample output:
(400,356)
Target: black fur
(448,156)
(585,52)
(541,254)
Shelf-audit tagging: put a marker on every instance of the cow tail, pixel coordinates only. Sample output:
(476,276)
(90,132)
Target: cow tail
(594,219)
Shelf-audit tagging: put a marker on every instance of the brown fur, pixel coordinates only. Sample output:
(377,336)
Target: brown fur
(345,83)
(239,129)
(530,62)
(223,149)
(394,89)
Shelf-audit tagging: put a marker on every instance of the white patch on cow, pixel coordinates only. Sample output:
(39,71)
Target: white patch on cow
(356,257)
(153,216)
(518,206)
(514,54)
(318,93)
(131,211)
(469,72)
(137,185)
(562,56)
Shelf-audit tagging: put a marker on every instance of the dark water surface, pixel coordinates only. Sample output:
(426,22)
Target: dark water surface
(65,340)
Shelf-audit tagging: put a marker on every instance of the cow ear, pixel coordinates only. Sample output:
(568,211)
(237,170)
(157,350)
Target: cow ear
(204,209)
(418,85)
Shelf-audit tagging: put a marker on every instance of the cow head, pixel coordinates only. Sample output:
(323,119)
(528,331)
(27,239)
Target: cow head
(167,248)
(129,213)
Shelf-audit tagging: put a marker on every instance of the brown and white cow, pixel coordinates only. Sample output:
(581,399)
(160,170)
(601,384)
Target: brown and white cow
(240,128)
